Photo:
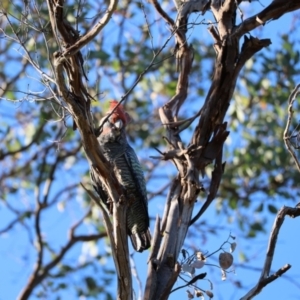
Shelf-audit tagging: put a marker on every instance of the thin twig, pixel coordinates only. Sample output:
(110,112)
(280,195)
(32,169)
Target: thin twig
(148,26)
(265,279)
(286,137)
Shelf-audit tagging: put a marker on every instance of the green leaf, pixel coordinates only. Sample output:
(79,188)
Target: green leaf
(272,209)
(257,226)
(91,283)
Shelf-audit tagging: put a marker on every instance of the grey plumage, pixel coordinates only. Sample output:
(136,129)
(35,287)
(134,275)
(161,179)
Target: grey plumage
(128,171)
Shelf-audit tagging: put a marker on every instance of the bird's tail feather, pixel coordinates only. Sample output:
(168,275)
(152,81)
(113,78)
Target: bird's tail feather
(141,240)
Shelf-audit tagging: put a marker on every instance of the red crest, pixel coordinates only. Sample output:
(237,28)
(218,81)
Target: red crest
(119,112)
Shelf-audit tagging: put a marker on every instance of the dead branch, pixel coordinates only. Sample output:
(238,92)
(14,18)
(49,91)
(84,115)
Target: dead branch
(210,134)
(274,11)
(265,277)
(286,136)
(163,268)
(70,36)
(214,186)
(37,135)
(37,277)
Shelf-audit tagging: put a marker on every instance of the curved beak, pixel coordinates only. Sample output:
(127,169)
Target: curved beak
(119,124)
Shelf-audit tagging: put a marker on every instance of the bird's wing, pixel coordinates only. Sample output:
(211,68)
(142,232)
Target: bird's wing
(137,173)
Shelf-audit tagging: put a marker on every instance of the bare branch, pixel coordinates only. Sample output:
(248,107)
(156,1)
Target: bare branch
(214,186)
(59,24)
(274,11)
(37,135)
(136,275)
(286,136)
(265,278)
(208,138)
(15,221)
(36,278)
